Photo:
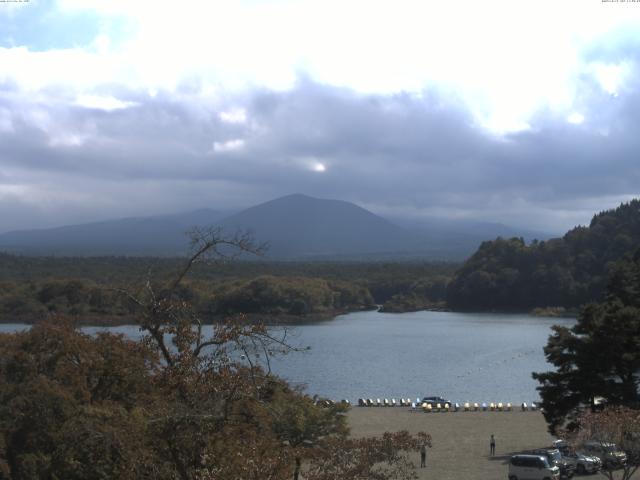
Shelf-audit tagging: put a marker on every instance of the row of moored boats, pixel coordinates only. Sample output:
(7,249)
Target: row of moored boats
(445,407)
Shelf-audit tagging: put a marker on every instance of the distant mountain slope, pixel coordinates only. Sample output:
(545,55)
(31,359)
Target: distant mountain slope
(567,271)
(463,236)
(295,226)
(468,228)
(157,235)
(298,226)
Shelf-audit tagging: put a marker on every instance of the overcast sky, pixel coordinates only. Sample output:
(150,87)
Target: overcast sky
(522,112)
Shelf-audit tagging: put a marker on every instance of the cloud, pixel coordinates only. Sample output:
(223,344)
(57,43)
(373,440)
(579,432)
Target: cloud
(236,115)
(490,54)
(414,112)
(107,103)
(575,118)
(229,145)
(398,154)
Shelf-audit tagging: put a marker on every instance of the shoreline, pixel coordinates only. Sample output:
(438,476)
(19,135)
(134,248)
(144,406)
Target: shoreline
(96,320)
(93,320)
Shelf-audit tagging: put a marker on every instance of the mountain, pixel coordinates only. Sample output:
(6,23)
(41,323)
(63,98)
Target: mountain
(157,235)
(298,226)
(463,236)
(508,274)
(295,227)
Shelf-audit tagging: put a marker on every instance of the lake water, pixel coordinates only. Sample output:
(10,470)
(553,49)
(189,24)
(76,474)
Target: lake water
(460,356)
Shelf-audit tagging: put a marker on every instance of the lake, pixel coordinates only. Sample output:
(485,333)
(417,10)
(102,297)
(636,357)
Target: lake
(460,356)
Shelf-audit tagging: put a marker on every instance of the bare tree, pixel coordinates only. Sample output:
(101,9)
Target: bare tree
(166,317)
(210,379)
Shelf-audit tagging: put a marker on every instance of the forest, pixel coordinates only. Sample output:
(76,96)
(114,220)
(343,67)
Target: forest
(508,274)
(90,287)
(504,274)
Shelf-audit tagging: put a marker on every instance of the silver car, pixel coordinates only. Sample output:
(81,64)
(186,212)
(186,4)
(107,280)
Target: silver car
(583,462)
(609,453)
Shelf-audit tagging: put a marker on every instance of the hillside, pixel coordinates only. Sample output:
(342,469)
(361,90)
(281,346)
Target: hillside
(296,227)
(567,271)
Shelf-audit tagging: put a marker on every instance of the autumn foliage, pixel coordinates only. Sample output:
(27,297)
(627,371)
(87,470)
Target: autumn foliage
(179,403)
(614,425)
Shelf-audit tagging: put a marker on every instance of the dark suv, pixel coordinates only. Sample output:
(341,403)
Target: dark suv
(433,401)
(553,455)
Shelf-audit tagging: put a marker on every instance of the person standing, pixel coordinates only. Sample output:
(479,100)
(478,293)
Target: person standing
(492,445)
(423,456)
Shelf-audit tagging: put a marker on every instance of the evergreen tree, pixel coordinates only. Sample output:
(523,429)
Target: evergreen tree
(600,355)
(562,272)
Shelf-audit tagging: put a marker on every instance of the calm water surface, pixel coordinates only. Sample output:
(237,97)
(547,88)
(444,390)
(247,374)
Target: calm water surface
(461,356)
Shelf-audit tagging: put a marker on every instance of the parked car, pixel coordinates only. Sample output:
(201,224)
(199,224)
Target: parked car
(553,455)
(532,467)
(433,401)
(582,462)
(609,454)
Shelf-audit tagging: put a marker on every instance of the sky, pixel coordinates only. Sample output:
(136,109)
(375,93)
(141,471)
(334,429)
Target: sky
(518,111)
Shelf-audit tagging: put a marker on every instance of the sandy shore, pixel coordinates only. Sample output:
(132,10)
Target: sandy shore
(460,439)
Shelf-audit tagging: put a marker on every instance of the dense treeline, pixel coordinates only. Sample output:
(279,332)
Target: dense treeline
(422,294)
(265,295)
(33,287)
(384,279)
(567,271)
(291,295)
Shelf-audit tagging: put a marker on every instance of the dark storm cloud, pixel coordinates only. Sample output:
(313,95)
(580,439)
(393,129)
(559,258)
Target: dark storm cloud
(400,153)
(597,158)
(425,151)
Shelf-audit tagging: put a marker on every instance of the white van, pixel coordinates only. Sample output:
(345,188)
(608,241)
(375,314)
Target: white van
(532,467)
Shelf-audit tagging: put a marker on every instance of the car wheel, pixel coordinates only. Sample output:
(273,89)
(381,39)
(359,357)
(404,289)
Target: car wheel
(513,477)
(581,470)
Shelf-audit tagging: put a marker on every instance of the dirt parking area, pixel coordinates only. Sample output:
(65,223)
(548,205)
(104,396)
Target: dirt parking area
(460,439)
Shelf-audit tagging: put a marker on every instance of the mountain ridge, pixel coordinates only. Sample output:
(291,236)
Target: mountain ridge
(297,227)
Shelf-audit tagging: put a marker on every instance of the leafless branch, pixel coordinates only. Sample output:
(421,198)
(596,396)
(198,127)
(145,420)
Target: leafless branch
(206,242)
